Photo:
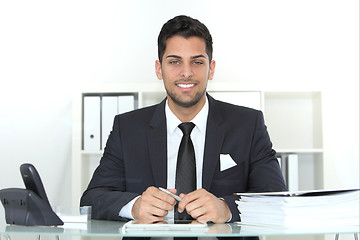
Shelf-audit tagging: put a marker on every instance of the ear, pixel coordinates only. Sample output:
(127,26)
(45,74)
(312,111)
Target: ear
(158,70)
(212,69)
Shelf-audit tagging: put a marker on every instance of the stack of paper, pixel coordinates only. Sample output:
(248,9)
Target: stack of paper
(300,209)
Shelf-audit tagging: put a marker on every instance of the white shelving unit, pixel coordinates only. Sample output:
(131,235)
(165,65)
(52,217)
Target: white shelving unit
(294,121)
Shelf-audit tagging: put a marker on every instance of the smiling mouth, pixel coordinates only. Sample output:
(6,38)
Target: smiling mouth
(185,85)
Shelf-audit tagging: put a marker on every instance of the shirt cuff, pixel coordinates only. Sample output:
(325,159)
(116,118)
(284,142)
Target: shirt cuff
(125,211)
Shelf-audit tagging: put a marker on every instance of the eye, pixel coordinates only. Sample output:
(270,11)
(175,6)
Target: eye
(174,62)
(197,62)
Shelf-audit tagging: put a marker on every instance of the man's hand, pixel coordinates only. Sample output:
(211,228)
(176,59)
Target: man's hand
(204,207)
(153,205)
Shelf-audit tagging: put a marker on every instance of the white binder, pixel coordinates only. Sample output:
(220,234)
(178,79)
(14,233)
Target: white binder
(292,172)
(109,111)
(92,123)
(126,103)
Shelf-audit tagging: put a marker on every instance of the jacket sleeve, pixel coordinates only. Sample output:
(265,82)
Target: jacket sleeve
(106,192)
(264,170)
(264,174)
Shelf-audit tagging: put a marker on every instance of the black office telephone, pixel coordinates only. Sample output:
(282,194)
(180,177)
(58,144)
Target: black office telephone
(30,206)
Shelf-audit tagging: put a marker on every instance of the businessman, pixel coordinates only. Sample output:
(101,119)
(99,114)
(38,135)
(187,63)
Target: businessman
(229,147)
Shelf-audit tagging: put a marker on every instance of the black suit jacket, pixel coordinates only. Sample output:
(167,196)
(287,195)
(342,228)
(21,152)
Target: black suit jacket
(135,158)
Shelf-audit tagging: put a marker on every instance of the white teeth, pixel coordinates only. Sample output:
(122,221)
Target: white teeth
(185,85)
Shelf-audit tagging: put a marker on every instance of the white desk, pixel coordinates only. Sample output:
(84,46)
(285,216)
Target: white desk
(115,229)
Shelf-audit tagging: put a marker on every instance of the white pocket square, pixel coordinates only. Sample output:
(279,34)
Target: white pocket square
(226,162)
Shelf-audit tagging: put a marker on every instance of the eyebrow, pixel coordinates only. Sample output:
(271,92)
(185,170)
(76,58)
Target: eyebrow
(198,56)
(193,57)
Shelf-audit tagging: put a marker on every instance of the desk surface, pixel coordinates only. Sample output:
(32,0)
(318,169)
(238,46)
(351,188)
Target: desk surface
(113,228)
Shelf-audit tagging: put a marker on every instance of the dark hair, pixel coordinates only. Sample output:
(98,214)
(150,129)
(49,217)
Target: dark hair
(186,27)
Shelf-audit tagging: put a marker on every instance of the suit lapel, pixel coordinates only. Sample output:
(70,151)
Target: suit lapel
(157,142)
(213,143)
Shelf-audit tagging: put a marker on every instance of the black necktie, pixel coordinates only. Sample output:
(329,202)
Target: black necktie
(185,180)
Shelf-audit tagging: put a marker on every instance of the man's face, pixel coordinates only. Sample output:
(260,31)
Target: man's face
(185,70)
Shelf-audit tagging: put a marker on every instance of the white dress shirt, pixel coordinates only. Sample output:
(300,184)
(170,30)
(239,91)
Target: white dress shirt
(174,135)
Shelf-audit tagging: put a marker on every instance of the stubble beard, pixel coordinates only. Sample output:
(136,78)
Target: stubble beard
(182,102)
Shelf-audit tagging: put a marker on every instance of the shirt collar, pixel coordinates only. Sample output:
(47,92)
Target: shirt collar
(200,120)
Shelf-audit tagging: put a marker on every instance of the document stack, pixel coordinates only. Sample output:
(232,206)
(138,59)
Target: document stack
(300,209)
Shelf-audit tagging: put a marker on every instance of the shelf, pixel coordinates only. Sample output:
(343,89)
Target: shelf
(300,151)
(99,153)
(294,119)
(278,151)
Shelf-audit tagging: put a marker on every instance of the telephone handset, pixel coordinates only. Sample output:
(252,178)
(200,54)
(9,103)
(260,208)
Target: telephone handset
(33,181)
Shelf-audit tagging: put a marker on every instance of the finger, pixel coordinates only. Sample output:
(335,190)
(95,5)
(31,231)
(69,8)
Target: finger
(159,199)
(154,218)
(188,198)
(184,203)
(159,212)
(203,219)
(165,196)
(168,201)
(145,212)
(196,212)
(150,207)
(150,213)
(215,210)
(196,207)
(172,191)
(202,213)
(194,195)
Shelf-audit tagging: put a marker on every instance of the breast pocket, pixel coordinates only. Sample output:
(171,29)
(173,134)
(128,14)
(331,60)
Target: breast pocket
(229,176)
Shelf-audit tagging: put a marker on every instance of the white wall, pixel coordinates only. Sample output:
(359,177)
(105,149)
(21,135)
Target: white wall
(50,49)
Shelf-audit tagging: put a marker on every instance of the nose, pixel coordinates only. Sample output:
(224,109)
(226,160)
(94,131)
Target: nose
(187,71)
